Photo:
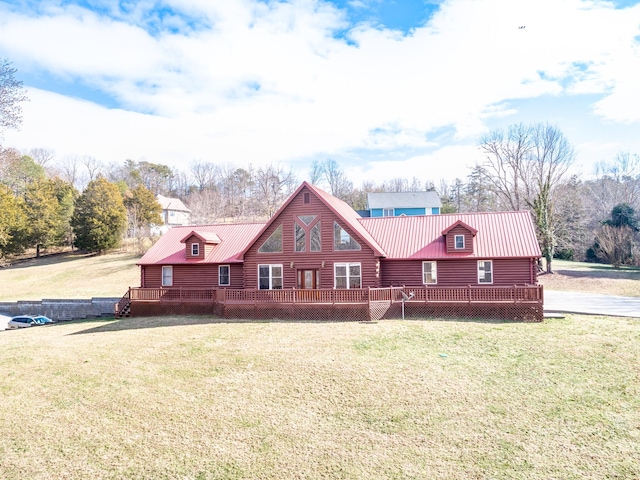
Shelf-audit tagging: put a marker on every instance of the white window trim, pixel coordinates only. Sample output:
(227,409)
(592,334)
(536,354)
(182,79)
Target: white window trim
(195,249)
(220,275)
(270,265)
(455,242)
(387,212)
(169,276)
(434,273)
(346,265)
(481,272)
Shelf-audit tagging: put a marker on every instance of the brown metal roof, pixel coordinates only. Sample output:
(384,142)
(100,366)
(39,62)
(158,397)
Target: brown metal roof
(499,235)
(169,250)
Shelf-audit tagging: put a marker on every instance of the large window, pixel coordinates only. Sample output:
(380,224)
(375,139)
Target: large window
(347,275)
(224,276)
(167,276)
(485,271)
(273,244)
(342,240)
(306,232)
(459,241)
(429,273)
(270,277)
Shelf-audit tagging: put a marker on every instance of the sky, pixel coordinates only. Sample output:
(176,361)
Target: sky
(386,88)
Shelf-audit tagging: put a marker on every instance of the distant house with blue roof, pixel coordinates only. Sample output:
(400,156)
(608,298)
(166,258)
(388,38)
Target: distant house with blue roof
(397,204)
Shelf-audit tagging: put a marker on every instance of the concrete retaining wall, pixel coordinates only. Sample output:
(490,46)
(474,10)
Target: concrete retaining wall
(60,309)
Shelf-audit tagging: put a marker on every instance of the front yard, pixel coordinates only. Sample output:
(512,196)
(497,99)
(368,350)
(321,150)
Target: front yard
(191,398)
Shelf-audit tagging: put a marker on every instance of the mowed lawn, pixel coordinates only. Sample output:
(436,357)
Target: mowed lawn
(195,398)
(70,275)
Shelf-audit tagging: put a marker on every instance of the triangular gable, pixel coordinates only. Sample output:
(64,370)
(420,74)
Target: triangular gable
(343,211)
(460,223)
(204,237)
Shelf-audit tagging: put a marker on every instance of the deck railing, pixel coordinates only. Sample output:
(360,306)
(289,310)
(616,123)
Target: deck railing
(428,294)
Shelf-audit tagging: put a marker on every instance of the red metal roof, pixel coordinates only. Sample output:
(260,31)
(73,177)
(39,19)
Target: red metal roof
(169,250)
(500,235)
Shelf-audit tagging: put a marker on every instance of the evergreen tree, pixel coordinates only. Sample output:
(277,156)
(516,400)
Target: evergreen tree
(100,217)
(12,223)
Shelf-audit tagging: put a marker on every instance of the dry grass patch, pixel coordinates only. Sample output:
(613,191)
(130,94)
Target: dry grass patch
(190,398)
(70,275)
(592,277)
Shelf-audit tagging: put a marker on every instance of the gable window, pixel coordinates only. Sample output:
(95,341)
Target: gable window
(485,271)
(270,277)
(342,240)
(224,276)
(167,276)
(459,241)
(429,273)
(387,212)
(305,197)
(304,234)
(314,238)
(273,244)
(195,249)
(347,275)
(301,238)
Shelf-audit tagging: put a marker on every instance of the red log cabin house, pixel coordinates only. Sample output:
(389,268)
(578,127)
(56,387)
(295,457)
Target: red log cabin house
(316,258)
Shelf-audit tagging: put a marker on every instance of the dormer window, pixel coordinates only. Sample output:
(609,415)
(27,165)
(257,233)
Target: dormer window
(459,242)
(195,249)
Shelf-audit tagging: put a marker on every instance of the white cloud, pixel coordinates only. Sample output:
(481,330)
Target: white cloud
(249,82)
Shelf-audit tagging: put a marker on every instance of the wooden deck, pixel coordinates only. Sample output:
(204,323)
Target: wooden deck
(517,302)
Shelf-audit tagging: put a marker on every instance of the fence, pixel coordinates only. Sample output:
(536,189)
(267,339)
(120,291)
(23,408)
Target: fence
(517,302)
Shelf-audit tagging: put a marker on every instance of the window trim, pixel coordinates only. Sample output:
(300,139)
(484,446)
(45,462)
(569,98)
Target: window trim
(195,249)
(352,241)
(169,269)
(434,272)
(347,266)
(482,273)
(278,230)
(455,242)
(220,267)
(271,266)
(388,212)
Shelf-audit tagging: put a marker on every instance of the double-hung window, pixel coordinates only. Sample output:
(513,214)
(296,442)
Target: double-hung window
(459,241)
(485,271)
(347,275)
(167,276)
(429,273)
(195,249)
(224,277)
(270,277)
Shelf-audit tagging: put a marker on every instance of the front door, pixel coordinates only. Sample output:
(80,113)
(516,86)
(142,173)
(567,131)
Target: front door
(308,279)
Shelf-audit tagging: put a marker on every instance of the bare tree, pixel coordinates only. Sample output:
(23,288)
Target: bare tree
(11,95)
(272,184)
(204,174)
(615,245)
(206,207)
(317,172)
(524,167)
(93,166)
(69,168)
(42,156)
(339,184)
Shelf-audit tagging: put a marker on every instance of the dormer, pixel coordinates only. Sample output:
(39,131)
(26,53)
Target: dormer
(459,238)
(199,244)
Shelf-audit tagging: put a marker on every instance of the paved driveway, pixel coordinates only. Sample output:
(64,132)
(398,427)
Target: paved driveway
(591,303)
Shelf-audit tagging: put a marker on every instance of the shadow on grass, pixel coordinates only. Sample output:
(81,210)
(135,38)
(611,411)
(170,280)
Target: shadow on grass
(601,272)
(139,323)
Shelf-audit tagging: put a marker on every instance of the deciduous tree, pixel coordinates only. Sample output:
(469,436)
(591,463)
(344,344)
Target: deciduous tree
(11,96)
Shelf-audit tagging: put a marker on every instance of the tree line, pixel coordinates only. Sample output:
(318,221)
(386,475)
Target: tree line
(78,201)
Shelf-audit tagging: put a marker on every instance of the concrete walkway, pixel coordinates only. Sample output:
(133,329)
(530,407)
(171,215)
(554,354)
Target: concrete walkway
(591,304)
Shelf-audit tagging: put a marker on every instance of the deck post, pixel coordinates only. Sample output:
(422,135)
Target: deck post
(469,293)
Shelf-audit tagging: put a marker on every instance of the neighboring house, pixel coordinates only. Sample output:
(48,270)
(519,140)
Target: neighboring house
(316,241)
(174,212)
(396,204)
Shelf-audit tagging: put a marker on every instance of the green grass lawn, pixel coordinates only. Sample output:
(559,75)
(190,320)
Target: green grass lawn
(70,275)
(192,398)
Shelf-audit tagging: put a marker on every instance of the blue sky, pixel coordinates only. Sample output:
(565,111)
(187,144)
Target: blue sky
(386,88)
